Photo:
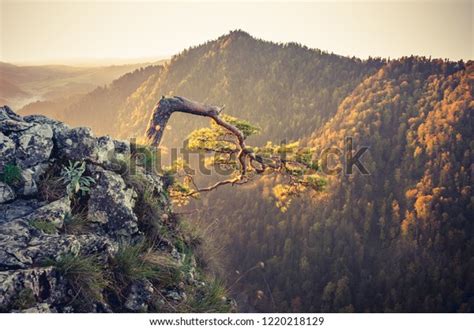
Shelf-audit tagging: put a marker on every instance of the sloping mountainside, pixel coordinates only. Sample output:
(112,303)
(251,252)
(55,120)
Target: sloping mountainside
(81,232)
(99,108)
(21,85)
(288,90)
(52,108)
(398,240)
(9,90)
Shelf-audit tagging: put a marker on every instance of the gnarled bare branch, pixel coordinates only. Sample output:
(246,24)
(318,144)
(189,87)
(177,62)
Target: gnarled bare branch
(246,158)
(168,105)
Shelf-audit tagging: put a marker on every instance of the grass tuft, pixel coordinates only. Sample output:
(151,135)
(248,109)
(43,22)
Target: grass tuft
(136,262)
(44,226)
(210,298)
(85,276)
(75,223)
(11,174)
(50,186)
(149,207)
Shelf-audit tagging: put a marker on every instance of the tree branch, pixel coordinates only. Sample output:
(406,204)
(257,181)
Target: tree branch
(168,105)
(246,157)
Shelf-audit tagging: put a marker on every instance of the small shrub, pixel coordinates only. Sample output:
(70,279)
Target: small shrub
(84,274)
(44,226)
(11,174)
(73,177)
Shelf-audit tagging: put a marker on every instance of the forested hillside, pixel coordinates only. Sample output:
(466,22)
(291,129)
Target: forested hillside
(99,109)
(286,89)
(398,240)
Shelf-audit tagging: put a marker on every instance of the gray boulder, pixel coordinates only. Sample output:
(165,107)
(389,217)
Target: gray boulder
(34,145)
(22,246)
(111,205)
(77,144)
(30,177)
(11,122)
(7,150)
(32,288)
(139,296)
(58,127)
(6,193)
(40,308)
(18,208)
(34,234)
(54,212)
(105,149)
(121,146)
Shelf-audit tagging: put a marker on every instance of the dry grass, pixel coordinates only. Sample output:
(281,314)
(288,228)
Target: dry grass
(85,276)
(50,187)
(75,223)
(137,262)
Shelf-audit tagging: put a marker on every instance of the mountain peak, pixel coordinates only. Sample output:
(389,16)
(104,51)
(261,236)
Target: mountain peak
(234,35)
(239,33)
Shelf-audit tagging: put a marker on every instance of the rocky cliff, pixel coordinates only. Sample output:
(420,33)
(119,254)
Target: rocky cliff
(81,232)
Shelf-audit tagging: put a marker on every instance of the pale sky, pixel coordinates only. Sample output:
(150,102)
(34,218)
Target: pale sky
(69,31)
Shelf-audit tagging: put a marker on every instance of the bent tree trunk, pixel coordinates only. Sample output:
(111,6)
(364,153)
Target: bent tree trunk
(249,162)
(168,105)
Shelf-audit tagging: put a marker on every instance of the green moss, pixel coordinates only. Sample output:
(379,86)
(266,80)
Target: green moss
(11,174)
(44,226)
